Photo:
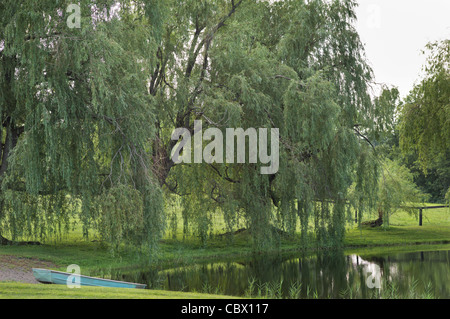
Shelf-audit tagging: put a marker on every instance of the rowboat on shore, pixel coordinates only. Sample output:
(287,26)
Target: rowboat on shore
(47,276)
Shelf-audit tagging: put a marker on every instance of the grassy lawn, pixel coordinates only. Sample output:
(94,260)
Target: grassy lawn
(23,291)
(398,235)
(404,230)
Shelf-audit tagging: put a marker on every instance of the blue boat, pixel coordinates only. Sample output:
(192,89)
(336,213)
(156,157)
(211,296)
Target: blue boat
(47,276)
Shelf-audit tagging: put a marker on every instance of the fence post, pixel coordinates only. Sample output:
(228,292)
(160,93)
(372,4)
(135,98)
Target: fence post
(420,216)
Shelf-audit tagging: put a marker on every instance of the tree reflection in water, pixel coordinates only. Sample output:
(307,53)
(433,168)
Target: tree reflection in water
(323,275)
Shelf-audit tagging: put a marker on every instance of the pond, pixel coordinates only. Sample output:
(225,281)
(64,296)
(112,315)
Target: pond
(325,275)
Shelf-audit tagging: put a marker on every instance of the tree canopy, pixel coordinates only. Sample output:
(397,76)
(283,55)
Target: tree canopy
(88,115)
(425,116)
(424,122)
(76,117)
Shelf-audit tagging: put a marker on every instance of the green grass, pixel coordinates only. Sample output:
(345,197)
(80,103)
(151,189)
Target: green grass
(395,235)
(12,290)
(403,230)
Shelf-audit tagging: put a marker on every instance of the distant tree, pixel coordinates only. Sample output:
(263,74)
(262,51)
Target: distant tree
(424,123)
(396,191)
(425,116)
(396,188)
(435,180)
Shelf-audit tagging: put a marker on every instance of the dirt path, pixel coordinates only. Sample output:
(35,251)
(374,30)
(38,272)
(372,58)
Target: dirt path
(14,268)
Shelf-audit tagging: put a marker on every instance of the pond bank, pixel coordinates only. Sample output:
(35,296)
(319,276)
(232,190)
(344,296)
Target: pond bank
(93,255)
(19,269)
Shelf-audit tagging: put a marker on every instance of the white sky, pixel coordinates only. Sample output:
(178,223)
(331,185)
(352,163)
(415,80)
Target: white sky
(396,31)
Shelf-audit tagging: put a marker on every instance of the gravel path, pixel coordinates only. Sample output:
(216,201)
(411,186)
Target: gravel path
(14,268)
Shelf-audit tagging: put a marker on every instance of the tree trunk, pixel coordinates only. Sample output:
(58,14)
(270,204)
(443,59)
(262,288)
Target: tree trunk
(375,223)
(4,241)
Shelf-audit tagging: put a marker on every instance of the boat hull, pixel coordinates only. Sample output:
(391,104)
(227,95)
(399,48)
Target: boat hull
(62,278)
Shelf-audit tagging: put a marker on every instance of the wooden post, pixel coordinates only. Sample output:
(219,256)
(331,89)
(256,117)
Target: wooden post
(420,216)
(356,216)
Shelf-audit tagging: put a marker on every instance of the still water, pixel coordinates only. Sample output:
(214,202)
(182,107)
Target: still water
(326,275)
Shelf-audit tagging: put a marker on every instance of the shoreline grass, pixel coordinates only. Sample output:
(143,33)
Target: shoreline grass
(14,290)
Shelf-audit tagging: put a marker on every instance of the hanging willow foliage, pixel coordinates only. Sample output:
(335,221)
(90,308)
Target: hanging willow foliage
(88,114)
(77,119)
(294,65)
(127,215)
(122,217)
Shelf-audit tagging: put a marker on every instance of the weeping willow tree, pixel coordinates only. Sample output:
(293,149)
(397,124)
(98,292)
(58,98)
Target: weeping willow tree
(294,65)
(77,119)
(88,115)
